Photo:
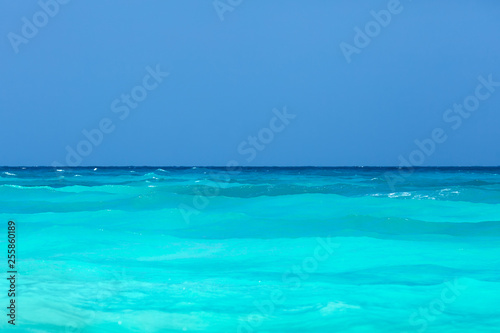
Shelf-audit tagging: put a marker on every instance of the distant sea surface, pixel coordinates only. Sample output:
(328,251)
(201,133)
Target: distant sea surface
(254,250)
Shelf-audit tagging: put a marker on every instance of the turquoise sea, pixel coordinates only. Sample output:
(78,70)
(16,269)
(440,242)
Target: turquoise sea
(254,250)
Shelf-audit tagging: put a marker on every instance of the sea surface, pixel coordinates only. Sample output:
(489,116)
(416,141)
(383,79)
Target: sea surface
(253,250)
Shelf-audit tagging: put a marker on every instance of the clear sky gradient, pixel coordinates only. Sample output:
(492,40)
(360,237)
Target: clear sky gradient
(365,106)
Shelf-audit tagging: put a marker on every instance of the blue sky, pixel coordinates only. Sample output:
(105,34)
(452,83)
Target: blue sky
(228,79)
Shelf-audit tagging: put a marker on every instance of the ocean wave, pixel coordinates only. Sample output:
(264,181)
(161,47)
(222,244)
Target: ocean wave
(341,249)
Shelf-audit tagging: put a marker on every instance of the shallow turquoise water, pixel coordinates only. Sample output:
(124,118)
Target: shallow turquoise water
(258,250)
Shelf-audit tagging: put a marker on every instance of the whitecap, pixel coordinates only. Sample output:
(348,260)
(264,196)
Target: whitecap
(448,191)
(399,194)
(9,174)
(426,197)
(335,307)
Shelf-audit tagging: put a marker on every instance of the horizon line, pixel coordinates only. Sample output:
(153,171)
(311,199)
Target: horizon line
(256,166)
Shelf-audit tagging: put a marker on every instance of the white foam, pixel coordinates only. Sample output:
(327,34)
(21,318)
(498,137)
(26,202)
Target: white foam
(400,194)
(335,307)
